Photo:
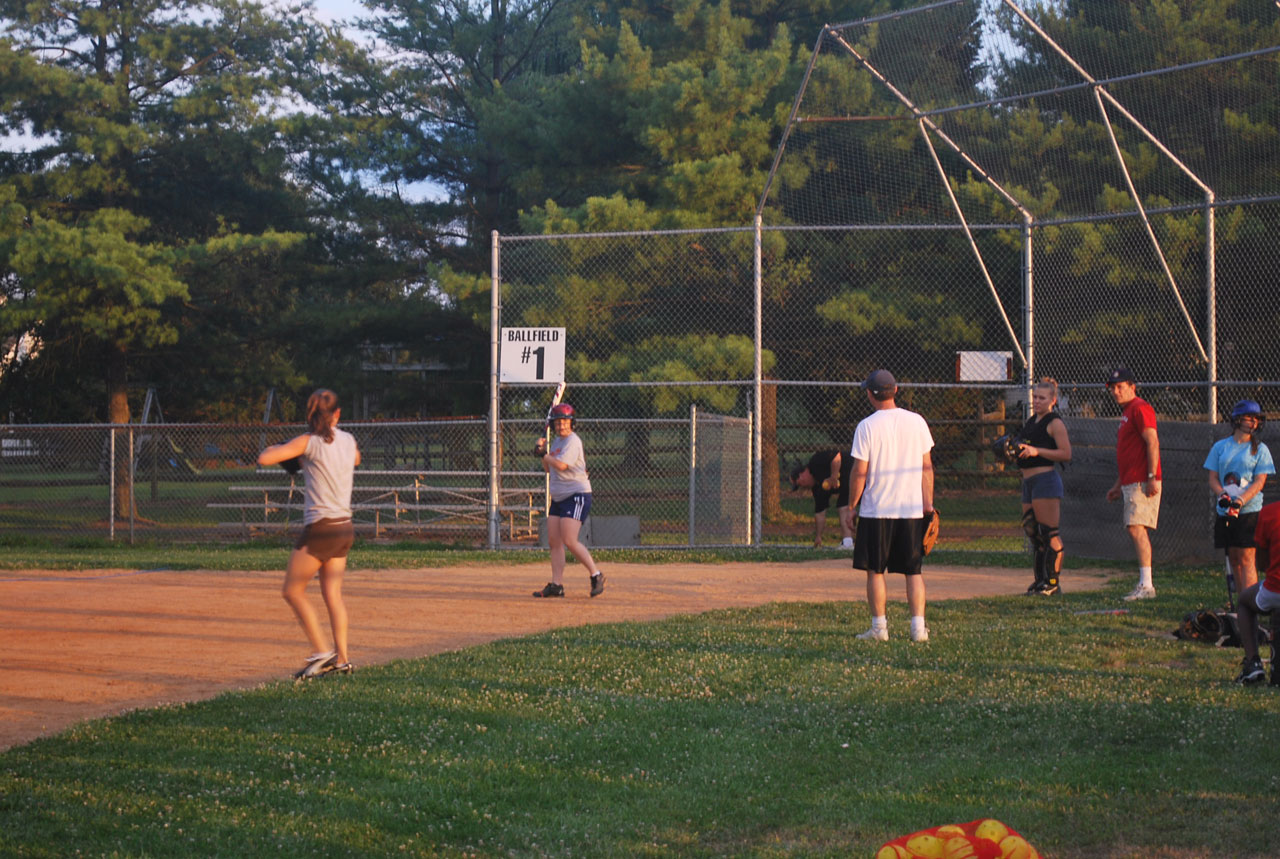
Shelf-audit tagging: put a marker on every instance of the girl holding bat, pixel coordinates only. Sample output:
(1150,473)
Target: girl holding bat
(328,457)
(564,461)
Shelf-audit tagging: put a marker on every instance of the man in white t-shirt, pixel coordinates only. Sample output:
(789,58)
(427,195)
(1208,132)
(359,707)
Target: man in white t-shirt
(893,482)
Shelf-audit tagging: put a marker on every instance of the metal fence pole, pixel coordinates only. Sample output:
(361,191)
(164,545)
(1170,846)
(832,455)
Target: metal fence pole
(1211,303)
(753,530)
(495,304)
(133,502)
(1029,313)
(757,458)
(111,484)
(693,467)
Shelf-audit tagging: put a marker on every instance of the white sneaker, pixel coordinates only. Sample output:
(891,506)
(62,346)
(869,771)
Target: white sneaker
(874,634)
(922,635)
(1142,592)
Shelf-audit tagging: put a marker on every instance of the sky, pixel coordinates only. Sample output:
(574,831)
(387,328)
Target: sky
(337,10)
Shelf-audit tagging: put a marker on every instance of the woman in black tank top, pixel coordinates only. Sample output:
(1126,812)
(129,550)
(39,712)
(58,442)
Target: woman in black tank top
(1043,443)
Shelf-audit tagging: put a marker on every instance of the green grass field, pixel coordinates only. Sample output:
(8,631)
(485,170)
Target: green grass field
(760,732)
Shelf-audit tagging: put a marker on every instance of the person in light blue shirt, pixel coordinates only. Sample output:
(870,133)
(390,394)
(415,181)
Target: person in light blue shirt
(1238,466)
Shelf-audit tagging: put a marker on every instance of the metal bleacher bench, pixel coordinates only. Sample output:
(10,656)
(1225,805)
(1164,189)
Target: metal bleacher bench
(411,506)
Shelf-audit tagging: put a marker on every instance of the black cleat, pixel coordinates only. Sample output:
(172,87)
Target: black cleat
(316,665)
(597,584)
(1251,672)
(551,590)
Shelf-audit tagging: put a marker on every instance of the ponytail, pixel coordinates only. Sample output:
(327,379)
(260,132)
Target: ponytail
(320,408)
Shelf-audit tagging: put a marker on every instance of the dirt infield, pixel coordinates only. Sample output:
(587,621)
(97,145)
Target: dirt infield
(81,645)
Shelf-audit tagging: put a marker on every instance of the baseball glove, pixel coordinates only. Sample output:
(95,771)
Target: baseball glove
(293,466)
(931,532)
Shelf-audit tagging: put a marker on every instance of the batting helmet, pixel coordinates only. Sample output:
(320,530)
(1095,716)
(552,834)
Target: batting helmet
(1246,409)
(561,411)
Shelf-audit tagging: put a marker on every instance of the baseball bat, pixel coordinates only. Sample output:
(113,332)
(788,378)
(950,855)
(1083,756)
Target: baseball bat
(555,401)
(556,398)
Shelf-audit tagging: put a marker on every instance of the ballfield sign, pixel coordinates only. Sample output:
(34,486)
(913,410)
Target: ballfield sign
(531,355)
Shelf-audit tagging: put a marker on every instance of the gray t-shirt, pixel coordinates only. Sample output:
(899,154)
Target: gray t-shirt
(328,468)
(572,480)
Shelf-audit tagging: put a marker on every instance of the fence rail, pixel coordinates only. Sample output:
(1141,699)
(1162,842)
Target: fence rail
(688,481)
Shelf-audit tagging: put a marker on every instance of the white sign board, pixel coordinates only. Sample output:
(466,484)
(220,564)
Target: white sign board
(984,366)
(531,355)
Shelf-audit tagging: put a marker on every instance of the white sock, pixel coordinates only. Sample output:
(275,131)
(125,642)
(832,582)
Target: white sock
(1144,577)
(879,621)
(917,624)
(846,543)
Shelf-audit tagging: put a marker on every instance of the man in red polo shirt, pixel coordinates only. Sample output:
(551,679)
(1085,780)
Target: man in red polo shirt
(1261,598)
(1138,482)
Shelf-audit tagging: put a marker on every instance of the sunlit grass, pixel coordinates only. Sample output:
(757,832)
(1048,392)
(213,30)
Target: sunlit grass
(762,732)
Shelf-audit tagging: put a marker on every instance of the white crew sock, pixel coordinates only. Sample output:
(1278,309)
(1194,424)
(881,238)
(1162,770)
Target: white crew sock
(917,624)
(879,621)
(1144,577)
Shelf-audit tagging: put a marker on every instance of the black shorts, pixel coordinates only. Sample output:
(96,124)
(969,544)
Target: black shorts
(889,545)
(326,539)
(1234,533)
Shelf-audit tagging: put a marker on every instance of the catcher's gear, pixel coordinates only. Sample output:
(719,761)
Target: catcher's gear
(561,411)
(1032,529)
(292,466)
(1052,563)
(931,532)
(1007,447)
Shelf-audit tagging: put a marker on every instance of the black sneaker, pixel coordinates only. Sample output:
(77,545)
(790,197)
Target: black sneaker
(1034,587)
(551,590)
(1048,589)
(1251,672)
(597,584)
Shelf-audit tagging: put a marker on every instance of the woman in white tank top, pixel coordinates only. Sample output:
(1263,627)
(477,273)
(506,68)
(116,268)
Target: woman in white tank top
(327,457)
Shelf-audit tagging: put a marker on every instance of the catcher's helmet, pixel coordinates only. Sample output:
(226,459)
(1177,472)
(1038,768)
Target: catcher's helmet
(1247,408)
(561,411)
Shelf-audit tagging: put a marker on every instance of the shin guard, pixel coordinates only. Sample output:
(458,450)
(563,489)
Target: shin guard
(1052,556)
(1032,529)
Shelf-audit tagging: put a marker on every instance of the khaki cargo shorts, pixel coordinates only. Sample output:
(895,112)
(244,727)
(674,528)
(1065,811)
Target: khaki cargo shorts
(1139,509)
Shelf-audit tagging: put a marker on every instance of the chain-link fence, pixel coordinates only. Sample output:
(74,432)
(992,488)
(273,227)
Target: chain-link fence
(200,482)
(961,177)
(683,481)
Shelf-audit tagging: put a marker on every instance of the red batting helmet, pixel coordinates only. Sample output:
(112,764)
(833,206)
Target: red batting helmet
(561,411)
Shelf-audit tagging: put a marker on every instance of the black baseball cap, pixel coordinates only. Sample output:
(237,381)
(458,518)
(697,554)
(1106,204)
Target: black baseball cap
(795,475)
(880,382)
(1121,374)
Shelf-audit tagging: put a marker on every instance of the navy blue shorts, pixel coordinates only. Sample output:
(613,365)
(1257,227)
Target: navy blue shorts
(574,507)
(1046,484)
